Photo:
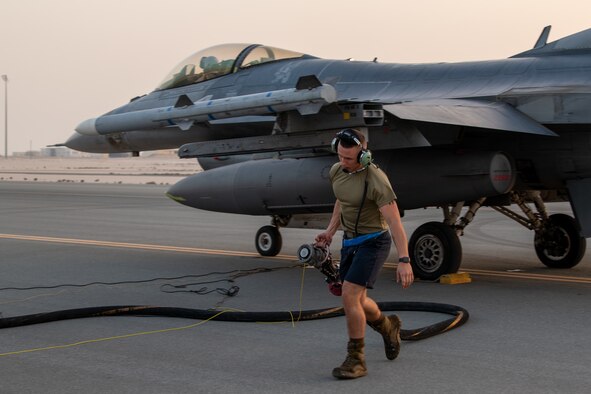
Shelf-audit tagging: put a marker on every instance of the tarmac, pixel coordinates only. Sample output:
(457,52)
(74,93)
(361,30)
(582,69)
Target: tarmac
(528,330)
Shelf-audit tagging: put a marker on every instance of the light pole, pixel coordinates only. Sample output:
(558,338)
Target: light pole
(5,79)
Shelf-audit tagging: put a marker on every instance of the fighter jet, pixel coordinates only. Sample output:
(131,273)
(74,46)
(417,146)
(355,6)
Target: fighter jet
(511,134)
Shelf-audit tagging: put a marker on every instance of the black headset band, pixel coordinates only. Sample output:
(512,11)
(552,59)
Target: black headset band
(350,136)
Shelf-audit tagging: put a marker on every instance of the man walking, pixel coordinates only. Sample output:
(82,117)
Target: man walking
(366,208)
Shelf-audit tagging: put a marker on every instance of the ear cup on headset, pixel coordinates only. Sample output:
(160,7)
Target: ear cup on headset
(334,145)
(364,158)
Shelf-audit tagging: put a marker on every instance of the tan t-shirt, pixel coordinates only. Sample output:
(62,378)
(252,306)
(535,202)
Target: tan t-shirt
(348,189)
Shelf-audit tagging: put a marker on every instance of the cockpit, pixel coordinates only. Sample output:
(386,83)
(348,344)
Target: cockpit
(221,60)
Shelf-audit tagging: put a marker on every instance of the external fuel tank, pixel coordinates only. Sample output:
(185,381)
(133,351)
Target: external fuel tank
(420,178)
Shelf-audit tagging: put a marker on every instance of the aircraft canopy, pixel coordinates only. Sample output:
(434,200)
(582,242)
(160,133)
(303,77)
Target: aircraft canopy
(221,60)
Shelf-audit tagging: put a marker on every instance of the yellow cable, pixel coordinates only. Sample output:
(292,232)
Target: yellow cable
(301,293)
(89,341)
(32,298)
(293,320)
(112,338)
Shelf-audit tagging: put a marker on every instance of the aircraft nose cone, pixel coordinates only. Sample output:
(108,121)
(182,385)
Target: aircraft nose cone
(76,142)
(87,127)
(91,144)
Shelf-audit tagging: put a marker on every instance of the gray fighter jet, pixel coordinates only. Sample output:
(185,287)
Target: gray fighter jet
(511,134)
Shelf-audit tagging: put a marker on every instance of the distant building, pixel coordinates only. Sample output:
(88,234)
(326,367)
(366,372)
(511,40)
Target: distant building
(29,153)
(57,151)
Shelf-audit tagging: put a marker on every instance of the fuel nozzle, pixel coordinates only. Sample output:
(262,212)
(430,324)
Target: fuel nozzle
(321,259)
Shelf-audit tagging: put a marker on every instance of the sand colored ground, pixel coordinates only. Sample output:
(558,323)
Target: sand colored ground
(158,169)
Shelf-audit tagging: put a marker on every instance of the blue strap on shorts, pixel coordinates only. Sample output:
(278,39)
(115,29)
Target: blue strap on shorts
(361,239)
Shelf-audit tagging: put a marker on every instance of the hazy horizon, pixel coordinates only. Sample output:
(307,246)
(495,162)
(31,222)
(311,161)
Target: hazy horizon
(70,60)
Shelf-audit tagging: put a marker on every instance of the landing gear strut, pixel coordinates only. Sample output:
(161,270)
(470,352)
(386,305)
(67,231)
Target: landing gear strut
(435,249)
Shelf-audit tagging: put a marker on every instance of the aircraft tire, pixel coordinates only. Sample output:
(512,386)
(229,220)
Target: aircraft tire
(268,241)
(435,250)
(559,244)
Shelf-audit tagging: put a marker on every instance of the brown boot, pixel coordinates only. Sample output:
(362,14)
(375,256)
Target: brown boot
(389,327)
(354,365)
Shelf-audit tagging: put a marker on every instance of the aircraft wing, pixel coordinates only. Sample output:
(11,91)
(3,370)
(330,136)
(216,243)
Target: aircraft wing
(471,113)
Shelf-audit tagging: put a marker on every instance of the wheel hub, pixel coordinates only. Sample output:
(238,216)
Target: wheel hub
(265,241)
(429,253)
(555,243)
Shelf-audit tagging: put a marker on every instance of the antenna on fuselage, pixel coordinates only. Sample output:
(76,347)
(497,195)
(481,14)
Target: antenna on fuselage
(543,39)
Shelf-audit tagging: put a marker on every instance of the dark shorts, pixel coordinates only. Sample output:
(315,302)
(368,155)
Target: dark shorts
(361,264)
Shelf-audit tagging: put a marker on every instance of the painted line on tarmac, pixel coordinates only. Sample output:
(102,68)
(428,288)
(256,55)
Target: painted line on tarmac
(182,249)
(126,245)
(525,275)
(519,275)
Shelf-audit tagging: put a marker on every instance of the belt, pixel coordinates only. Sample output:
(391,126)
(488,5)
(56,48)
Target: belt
(360,239)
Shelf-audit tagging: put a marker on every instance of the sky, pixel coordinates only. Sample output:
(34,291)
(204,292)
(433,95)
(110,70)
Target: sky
(70,60)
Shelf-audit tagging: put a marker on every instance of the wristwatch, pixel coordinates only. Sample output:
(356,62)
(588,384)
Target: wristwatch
(404,260)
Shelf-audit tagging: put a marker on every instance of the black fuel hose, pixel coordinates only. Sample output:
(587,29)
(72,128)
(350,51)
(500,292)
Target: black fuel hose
(460,315)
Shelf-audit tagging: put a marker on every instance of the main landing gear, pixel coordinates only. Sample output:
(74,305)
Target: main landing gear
(557,241)
(435,248)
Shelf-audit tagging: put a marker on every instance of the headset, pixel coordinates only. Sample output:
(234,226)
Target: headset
(349,135)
